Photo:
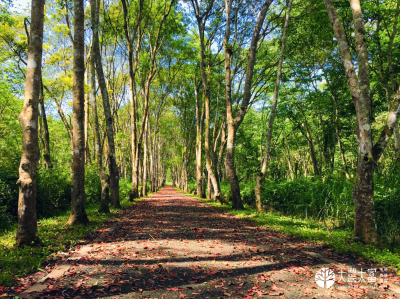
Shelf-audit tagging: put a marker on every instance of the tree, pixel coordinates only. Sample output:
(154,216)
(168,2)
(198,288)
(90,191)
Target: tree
(104,177)
(261,175)
(368,154)
(78,212)
(27,226)
(114,173)
(233,122)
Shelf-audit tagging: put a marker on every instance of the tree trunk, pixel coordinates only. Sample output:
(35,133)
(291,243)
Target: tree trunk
(199,135)
(292,174)
(206,95)
(78,213)
(27,233)
(261,175)
(132,63)
(45,133)
(336,122)
(104,178)
(312,149)
(87,150)
(221,152)
(112,163)
(144,189)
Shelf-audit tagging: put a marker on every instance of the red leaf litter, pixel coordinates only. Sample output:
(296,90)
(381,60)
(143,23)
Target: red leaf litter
(170,245)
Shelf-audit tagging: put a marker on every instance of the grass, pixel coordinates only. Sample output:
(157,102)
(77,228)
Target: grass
(55,236)
(308,229)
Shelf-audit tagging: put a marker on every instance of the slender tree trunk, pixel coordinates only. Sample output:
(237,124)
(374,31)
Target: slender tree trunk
(199,135)
(336,122)
(312,148)
(104,178)
(46,134)
(27,233)
(396,136)
(112,163)
(87,150)
(134,192)
(261,175)
(292,174)
(146,129)
(221,152)
(78,213)
(340,142)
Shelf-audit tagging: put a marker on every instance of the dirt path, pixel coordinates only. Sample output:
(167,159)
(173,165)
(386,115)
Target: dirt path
(173,246)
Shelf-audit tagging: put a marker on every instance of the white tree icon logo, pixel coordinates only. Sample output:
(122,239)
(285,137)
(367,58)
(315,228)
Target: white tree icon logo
(325,278)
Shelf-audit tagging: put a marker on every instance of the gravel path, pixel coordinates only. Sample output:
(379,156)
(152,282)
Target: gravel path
(171,245)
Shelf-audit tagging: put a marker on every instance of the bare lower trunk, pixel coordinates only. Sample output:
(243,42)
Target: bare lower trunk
(208,186)
(184,177)
(199,134)
(292,174)
(78,213)
(261,175)
(310,142)
(87,150)
(203,185)
(134,192)
(231,170)
(45,134)
(341,147)
(27,233)
(144,192)
(104,178)
(135,174)
(396,136)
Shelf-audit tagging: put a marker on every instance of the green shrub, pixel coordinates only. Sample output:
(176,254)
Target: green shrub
(53,192)
(92,184)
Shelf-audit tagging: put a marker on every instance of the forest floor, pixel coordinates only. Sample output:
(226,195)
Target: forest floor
(170,245)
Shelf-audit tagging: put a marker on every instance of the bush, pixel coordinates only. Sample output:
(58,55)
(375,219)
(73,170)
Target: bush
(318,198)
(8,204)
(125,187)
(92,184)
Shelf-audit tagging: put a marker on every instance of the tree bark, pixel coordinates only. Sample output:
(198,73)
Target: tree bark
(112,163)
(27,233)
(87,112)
(45,134)
(261,175)
(145,138)
(104,178)
(78,213)
(199,135)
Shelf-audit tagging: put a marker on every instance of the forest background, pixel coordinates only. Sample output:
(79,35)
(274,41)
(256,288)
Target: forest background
(180,115)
